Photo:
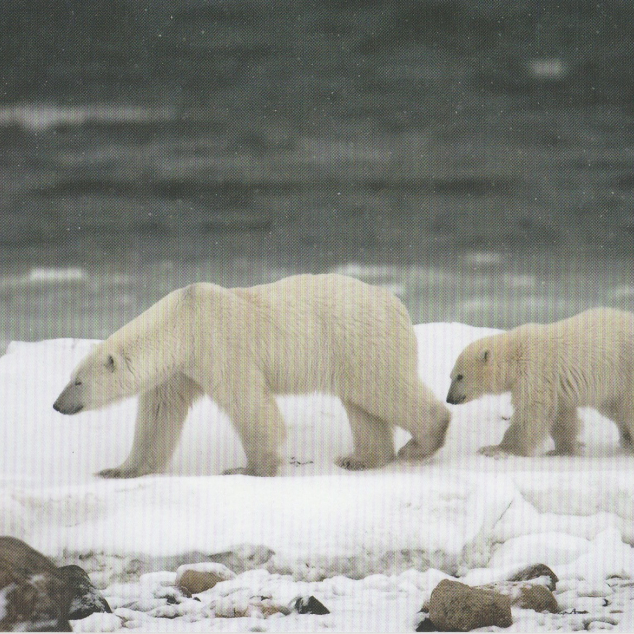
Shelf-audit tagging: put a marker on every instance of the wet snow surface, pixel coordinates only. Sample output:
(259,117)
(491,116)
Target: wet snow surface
(370,546)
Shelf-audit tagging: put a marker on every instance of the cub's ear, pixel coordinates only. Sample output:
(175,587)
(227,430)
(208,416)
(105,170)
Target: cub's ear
(485,355)
(110,364)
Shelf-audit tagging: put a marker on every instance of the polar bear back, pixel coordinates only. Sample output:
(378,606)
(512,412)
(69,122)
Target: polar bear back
(591,355)
(320,332)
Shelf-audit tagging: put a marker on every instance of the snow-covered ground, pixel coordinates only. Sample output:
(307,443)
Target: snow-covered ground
(371,546)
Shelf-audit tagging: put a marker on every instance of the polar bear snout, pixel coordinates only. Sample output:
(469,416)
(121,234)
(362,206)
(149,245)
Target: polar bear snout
(68,402)
(454,397)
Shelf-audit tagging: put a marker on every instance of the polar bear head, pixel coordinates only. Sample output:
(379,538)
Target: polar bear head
(482,368)
(105,375)
(135,358)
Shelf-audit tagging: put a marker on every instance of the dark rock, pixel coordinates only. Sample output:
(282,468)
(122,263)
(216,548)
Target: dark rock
(36,596)
(310,605)
(86,599)
(426,626)
(534,572)
(454,606)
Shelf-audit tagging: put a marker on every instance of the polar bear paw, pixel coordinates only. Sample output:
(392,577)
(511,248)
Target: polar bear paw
(118,472)
(352,463)
(411,450)
(236,471)
(262,471)
(569,450)
(493,451)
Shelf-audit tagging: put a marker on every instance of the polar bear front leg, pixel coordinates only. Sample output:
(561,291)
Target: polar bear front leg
(159,422)
(259,423)
(528,430)
(373,440)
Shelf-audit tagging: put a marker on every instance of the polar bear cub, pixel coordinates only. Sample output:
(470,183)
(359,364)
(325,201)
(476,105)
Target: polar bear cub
(241,346)
(550,370)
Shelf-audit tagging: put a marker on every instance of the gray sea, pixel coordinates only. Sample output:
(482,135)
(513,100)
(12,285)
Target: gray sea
(475,157)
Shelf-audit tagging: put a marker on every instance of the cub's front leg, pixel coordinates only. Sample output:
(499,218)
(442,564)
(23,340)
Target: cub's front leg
(528,430)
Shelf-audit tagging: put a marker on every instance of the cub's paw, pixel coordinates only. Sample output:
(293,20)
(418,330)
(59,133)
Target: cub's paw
(352,463)
(493,451)
(118,472)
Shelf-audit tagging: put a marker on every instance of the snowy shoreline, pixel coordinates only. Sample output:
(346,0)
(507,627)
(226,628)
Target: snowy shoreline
(383,537)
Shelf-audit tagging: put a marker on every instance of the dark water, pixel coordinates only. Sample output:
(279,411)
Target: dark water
(476,157)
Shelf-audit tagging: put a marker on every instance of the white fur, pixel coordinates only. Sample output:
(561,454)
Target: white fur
(550,370)
(324,333)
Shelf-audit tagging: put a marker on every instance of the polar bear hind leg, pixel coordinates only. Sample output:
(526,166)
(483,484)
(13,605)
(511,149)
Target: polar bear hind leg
(373,440)
(622,413)
(565,431)
(159,422)
(417,411)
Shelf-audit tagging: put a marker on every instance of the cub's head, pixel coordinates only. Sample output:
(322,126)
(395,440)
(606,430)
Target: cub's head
(104,376)
(481,368)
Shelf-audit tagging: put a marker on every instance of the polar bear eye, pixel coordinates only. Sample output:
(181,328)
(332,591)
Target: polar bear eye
(77,381)
(459,377)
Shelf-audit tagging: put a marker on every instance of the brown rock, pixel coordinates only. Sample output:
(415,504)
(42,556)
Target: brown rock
(527,595)
(534,572)
(36,596)
(21,555)
(454,606)
(538,598)
(196,581)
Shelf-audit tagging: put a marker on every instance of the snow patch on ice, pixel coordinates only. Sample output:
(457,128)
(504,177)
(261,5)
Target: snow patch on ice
(351,539)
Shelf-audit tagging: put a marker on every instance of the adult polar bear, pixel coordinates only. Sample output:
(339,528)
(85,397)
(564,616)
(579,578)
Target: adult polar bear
(322,333)
(550,370)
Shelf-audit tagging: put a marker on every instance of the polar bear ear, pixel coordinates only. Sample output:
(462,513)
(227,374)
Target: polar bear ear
(485,355)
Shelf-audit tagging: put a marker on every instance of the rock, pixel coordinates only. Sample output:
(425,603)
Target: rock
(196,581)
(524,594)
(85,598)
(538,598)
(426,626)
(534,572)
(202,576)
(35,595)
(454,606)
(309,605)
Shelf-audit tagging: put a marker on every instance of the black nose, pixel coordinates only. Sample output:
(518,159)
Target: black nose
(56,406)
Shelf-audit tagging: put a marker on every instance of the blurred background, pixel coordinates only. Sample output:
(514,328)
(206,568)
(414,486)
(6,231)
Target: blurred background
(475,156)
